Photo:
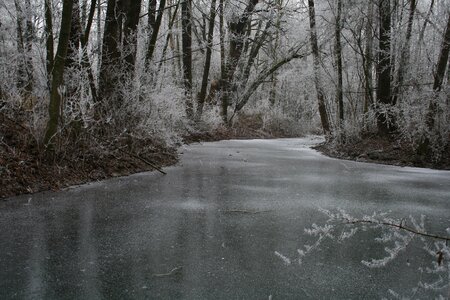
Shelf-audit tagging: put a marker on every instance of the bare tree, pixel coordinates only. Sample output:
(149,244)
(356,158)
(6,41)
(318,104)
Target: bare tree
(317,78)
(204,85)
(58,75)
(186,24)
(384,66)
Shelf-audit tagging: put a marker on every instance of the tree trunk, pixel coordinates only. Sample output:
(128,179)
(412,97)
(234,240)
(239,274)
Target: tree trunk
(384,104)
(24,47)
(276,41)
(368,60)
(75,37)
(237,37)
(222,42)
(204,85)
(154,34)
(84,41)
(186,24)
(405,54)
(168,37)
(133,10)
(317,78)
(110,70)
(58,75)
(439,75)
(338,54)
(50,52)
(151,15)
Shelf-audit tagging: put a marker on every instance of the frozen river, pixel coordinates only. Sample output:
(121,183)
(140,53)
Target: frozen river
(212,228)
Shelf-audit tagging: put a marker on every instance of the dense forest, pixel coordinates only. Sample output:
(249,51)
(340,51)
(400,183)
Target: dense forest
(91,88)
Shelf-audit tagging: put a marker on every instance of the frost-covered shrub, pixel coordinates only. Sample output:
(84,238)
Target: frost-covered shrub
(159,113)
(412,121)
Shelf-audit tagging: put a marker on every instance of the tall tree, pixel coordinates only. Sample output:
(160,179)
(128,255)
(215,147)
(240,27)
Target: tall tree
(368,58)
(338,54)
(317,78)
(236,42)
(111,57)
(384,69)
(58,75)
(154,31)
(405,54)
(75,37)
(133,10)
(24,48)
(50,53)
(186,25)
(439,75)
(204,85)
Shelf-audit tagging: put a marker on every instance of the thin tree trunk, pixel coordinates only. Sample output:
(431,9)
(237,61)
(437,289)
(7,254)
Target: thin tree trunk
(266,72)
(368,60)
(338,53)
(273,89)
(50,52)
(222,42)
(405,54)
(24,80)
(154,34)
(58,75)
(317,78)
(29,34)
(168,37)
(84,41)
(186,24)
(204,85)
(384,66)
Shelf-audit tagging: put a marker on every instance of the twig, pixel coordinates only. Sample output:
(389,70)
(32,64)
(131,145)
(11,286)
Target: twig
(174,271)
(405,228)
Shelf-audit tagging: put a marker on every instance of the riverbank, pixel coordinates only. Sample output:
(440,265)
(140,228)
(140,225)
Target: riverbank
(25,170)
(389,151)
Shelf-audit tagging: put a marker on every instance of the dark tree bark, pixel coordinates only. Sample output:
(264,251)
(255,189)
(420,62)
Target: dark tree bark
(368,59)
(154,34)
(110,70)
(75,37)
(439,75)
(133,10)
(151,15)
(186,24)
(222,42)
(405,54)
(316,55)
(84,41)
(58,75)
(338,54)
(236,43)
(204,85)
(384,66)
(50,52)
